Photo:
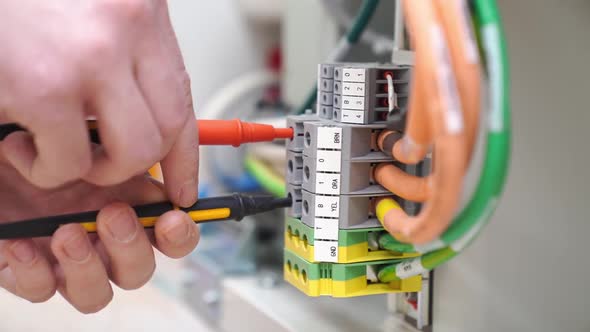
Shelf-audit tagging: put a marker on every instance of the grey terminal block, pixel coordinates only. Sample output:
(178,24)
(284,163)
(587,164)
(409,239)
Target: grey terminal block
(361,92)
(295,193)
(354,178)
(352,212)
(294,167)
(296,123)
(356,142)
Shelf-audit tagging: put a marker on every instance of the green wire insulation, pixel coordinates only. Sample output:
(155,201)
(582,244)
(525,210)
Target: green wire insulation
(475,215)
(359,25)
(271,182)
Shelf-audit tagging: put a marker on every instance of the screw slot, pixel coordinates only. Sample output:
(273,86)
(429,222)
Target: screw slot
(336,114)
(307,139)
(305,241)
(289,267)
(304,276)
(290,166)
(305,207)
(306,173)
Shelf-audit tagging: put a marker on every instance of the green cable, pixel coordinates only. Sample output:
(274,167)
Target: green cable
(361,21)
(352,37)
(265,177)
(475,215)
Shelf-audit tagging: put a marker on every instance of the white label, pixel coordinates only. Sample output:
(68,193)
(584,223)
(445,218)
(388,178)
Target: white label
(326,229)
(353,89)
(327,206)
(353,75)
(352,103)
(327,183)
(350,116)
(409,268)
(325,251)
(329,138)
(328,161)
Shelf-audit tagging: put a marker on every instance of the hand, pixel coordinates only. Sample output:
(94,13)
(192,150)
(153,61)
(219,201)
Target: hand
(116,60)
(79,265)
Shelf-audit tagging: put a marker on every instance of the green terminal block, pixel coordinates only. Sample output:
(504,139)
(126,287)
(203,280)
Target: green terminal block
(354,245)
(342,280)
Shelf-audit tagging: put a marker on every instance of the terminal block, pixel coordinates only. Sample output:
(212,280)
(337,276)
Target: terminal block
(339,158)
(342,280)
(339,211)
(354,245)
(358,93)
(331,231)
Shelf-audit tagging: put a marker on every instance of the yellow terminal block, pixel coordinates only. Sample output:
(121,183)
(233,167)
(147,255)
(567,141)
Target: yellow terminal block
(353,245)
(341,280)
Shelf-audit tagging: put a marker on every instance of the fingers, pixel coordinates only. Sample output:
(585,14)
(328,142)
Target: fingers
(131,140)
(162,78)
(168,94)
(181,167)
(57,151)
(85,281)
(26,272)
(176,234)
(129,250)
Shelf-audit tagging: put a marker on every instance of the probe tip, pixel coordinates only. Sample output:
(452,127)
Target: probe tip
(283,132)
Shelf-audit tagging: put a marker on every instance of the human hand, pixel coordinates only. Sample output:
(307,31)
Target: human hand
(116,60)
(78,265)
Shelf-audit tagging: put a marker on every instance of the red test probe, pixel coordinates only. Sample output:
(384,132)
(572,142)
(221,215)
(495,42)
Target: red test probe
(211,132)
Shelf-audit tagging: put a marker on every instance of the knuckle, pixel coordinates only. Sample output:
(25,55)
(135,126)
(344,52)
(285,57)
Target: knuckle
(186,88)
(49,80)
(96,49)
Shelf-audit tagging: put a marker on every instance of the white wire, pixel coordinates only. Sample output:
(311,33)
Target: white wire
(235,89)
(391,95)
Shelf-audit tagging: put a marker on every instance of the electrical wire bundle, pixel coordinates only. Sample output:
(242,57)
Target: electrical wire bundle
(447,117)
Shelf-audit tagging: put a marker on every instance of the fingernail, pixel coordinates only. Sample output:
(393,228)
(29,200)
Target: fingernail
(23,251)
(178,234)
(123,226)
(77,248)
(187,194)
